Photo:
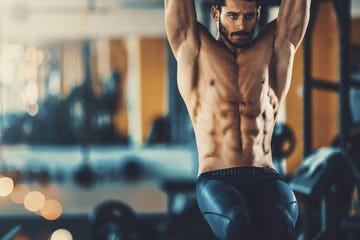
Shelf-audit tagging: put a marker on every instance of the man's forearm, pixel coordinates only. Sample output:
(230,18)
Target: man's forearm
(293,19)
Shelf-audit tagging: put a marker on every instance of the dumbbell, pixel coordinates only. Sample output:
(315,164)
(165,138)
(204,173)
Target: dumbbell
(115,220)
(283,141)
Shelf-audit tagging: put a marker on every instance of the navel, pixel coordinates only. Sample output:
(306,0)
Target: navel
(224,113)
(212,82)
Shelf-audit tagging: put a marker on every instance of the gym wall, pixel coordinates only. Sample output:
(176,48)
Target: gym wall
(325,62)
(150,57)
(153,79)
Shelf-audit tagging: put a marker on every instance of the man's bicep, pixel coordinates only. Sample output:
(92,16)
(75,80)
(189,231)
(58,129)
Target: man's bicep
(181,24)
(283,61)
(292,22)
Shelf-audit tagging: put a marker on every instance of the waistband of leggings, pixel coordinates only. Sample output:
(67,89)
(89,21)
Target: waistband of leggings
(242,171)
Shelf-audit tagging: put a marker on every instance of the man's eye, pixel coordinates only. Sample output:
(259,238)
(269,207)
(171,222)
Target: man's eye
(233,16)
(249,16)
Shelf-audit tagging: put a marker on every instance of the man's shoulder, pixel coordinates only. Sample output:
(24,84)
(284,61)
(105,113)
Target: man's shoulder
(192,48)
(267,33)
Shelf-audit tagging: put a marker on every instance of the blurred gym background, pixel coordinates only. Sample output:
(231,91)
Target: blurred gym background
(95,141)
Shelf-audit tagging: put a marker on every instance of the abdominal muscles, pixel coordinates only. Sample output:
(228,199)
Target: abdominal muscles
(234,135)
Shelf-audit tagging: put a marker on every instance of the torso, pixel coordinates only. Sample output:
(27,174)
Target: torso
(232,104)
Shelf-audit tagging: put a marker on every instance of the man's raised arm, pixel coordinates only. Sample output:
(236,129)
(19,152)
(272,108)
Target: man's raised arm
(181,26)
(291,26)
(292,22)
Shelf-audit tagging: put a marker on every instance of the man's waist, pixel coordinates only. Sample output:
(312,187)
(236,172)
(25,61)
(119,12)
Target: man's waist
(242,171)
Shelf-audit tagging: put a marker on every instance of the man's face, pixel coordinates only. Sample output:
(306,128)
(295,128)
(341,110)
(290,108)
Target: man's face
(236,21)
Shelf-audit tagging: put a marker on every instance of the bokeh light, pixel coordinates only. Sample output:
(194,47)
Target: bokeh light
(19,193)
(33,109)
(30,53)
(31,73)
(51,210)
(31,93)
(20,236)
(6,186)
(61,234)
(34,201)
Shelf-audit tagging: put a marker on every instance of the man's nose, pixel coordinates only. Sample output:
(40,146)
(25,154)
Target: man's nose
(241,24)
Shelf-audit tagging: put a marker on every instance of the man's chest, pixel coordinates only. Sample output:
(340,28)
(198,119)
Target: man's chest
(236,81)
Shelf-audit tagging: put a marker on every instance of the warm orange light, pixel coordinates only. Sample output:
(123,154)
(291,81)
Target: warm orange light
(19,193)
(30,53)
(61,234)
(6,186)
(31,73)
(40,57)
(19,236)
(34,201)
(51,210)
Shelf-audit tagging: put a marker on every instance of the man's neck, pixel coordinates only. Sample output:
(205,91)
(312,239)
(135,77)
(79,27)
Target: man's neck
(234,50)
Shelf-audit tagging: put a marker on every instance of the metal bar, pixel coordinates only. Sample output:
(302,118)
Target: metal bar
(343,12)
(307,122)
(354,83)
(306,220)
(87,88)
(331,86)
(325,85)
(307,111)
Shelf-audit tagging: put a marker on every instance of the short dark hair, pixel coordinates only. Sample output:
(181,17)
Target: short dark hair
(219,3)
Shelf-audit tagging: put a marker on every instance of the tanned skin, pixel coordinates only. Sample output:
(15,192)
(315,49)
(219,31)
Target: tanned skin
(233,85)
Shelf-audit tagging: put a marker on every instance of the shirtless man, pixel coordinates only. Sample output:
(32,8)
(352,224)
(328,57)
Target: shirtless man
(233,86)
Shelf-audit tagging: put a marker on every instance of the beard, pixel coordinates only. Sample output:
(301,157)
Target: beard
(240,43)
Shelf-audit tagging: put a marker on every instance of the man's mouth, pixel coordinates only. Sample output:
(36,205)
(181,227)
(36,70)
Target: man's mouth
(241,34)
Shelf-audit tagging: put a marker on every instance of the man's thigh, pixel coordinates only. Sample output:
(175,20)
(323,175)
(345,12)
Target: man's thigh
(225,209)
(275,210)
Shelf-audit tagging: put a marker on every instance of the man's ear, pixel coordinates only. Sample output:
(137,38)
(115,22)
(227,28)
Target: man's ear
(258,13)
(215,13)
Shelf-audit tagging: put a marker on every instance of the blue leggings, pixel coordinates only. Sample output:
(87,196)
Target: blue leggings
(247,203)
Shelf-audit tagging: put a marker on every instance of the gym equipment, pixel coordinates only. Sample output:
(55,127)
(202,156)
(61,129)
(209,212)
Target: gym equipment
(39,173)
(111,220)
(332,193)
(85,176)
(132,170)
(159,132)
(283,141)
(115,220)
(355,92)
(352,227)
(282,145)
(325,183)
(353,145)
(183,220)
(351,224)
(317,171)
